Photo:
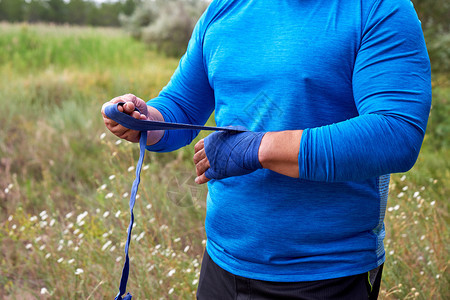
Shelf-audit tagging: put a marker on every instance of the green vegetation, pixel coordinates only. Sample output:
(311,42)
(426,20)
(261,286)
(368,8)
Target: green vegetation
(64,180)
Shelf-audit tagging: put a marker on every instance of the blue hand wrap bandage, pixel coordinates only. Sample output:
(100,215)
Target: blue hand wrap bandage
(143,126)
(232,153)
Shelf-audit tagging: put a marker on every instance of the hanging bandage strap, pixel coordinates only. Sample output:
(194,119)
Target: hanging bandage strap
(143,126)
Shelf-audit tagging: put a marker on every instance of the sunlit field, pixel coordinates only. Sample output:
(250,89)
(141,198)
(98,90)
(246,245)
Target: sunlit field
(65,181)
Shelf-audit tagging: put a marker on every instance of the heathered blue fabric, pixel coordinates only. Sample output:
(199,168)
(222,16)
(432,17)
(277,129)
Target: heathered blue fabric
(355,75)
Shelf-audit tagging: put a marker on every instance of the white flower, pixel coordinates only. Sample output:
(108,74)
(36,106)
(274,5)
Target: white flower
(106,245)
(403,178)
(145,167)
(149,206)
(28,246)
(60,260)
(432,203)
(111,177)
(47,256)
(171,272)
(68,215)
(131,168)
(52,222)
(79,271)
(117,214)
(33,219)
(186,249)
(119,258)
(118,142)
(10,218)
(105,214)
(109,196)
(44,291)
(125,195)
(81,216)
(103,186)
(102,136)
(195,281)
(416,194)
(71,261)
(112,248)
(171,291)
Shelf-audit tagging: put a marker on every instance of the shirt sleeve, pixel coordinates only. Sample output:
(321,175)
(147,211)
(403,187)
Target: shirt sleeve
(392,92)
(188,97)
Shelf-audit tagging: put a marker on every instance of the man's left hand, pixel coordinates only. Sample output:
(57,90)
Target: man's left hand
(226,154)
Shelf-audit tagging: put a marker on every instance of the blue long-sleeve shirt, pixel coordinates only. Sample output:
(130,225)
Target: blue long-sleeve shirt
(355,75)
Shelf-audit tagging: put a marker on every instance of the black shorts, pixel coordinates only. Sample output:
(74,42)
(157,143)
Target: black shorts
(218,284)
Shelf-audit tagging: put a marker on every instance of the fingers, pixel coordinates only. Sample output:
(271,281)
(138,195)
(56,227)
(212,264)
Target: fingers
(201,179)
(200,145)
(201,162)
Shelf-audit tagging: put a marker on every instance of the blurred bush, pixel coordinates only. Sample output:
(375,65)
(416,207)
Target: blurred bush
(434,16)
(165,25)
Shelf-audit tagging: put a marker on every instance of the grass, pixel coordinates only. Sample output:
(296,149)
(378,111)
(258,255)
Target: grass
(64,180)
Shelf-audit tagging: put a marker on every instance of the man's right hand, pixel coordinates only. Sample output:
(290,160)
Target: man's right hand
(131,102)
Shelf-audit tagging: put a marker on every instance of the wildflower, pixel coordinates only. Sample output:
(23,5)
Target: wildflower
(194,282)
(43,224)
(102,136)
(141,236)
(6,191)
(10,218)
(43,215)
(69,243)
(416,194)
(60,260)
(119,258)
(33,219)
(118,142)
(432,203)
(76,248)
(171,272)
(76,231)
(81,216)
(103,186)
(177,240)
(149,206)
(42,247)
(81,235)
(105,214)
(112,248)
(438,276)
(52,222)
(71,261)
(405,188)
(145,167)
(47,256)
(171,291)
(401,194)
(117,214)
(68,215)
(391,252)
(106,245)
(125,195)
(28,246)
(97,210)
(81,223)
(396,207)
(186,249)
(109,195)
(14,226)
(44,291)
(204,242)
(60,247)
(157,246)
(79,271)
(131,168)
(403,178)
